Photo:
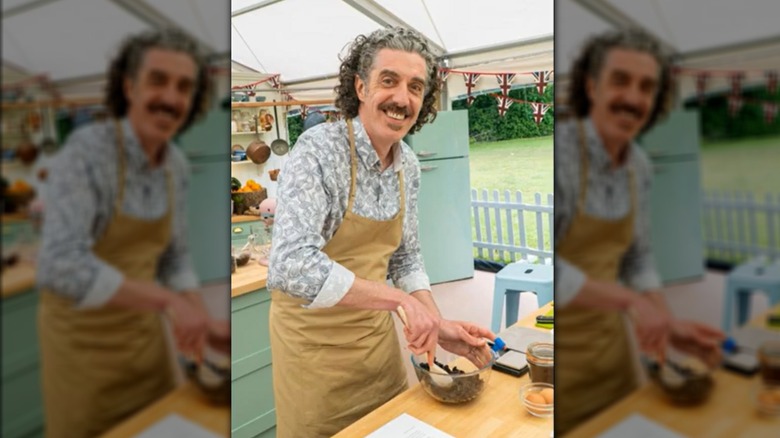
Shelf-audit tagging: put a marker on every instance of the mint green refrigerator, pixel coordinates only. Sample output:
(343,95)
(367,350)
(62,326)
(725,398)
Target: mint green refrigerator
(444,201)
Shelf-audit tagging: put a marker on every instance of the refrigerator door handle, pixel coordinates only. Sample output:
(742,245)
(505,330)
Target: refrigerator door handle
(424,154)
(428,168)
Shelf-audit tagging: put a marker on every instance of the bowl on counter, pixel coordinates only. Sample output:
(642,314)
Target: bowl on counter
(538,399)
(685,380)
(464,381)
(767,398)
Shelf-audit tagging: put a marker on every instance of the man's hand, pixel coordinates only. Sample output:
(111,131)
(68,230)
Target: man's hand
(421,328)
(652,324)
(467,340)
(190,325)
(698,339)
(219,335)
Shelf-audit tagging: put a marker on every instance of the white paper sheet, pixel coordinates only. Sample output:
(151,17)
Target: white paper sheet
(406,426)
(518,338)
(639,426)
(175,426)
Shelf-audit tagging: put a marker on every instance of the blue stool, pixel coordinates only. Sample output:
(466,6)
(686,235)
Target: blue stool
(745,279)
(514,279)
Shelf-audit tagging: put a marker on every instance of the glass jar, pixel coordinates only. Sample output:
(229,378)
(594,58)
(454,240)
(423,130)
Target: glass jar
(540,357)
(769,360)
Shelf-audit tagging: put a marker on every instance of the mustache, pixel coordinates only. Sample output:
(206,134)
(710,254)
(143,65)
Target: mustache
(636,112)
(164,108)
(395,109)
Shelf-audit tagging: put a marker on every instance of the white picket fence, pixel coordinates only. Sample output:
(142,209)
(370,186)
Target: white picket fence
(507,228)
(739,225)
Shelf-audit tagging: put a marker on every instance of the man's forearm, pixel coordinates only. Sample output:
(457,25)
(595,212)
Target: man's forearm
(604,295)
(372,295)
(141,295)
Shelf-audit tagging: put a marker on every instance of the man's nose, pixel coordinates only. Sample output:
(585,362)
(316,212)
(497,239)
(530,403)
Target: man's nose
(401,97)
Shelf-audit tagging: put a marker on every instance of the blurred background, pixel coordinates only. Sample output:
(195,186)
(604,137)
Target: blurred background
(54,65)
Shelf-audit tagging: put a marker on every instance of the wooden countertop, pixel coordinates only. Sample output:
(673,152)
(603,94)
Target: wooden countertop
(730,411)
(497,412)
(17,279)
(186,401)
(248,278)
(8,218)
(238,218)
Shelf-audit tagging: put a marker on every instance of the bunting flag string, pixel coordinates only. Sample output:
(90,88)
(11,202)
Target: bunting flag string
(735,104)
(770,112)
(542,80)
(701,86)
(253,85)
(505,82)
(304,112)
(540,109)
(771,82)
(471,81)
(504,102)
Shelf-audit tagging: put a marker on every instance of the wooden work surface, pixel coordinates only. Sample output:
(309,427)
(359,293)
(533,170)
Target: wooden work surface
(186,401)
(729,412)
(18,278)
(9,218)
(238,218)
(497,412)
(248,278)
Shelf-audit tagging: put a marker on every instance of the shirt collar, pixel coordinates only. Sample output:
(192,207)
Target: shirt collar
(597,153)
(367,153)
(136,156)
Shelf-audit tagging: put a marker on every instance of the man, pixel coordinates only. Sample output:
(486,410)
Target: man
(621,85)
(346,217)
(114,225)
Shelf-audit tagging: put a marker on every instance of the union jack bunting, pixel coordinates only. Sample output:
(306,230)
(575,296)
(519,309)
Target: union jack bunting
(736,84)
(304,112)
(771,82)
(770,112)
(505,82)
(275,81)
(503,104)
(735,104)
(539,110)
(701,85)
(471,81)
(542,79)
(443,74)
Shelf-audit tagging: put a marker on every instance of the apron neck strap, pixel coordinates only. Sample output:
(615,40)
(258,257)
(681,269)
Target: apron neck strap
(584,171)
(353,165)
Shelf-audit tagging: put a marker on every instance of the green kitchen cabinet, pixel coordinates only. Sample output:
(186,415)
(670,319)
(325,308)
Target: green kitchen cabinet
(252,412)
(675,198)
(22,404)
(444,201)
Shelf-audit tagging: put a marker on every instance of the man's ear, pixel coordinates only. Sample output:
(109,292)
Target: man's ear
(360,88)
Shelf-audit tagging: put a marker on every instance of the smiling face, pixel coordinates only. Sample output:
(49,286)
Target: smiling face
(391,99)
(623,94)
(160,94)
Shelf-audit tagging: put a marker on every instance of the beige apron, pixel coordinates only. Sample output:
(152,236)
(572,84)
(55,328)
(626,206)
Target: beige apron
(334,365)
(594,360)
(99,366)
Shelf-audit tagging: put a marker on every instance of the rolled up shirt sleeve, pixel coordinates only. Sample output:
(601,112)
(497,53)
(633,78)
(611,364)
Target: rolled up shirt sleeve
(407,268)
(66,263)
(297,264)
(175,268)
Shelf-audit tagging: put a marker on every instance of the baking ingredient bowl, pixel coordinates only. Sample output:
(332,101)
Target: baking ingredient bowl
(767,399)
(538,399)
(467,381)
(685,381)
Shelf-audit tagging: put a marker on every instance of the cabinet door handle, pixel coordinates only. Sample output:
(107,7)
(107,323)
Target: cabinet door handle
(424,154)
(428,168)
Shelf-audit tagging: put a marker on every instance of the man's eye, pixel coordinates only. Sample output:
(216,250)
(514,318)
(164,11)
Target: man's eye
(387,81)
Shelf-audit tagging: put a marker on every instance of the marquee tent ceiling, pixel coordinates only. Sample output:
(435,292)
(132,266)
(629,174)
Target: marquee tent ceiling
(717,35)
(301,40)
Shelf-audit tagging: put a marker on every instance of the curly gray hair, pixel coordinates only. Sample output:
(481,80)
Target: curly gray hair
(591,61)
(130,57)
(360,60)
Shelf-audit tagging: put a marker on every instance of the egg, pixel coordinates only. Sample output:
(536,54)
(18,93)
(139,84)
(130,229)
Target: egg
(547,393)
(536,398)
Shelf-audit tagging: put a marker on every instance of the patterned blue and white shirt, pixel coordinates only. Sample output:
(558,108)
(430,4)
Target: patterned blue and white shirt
(81,191)
(312,199)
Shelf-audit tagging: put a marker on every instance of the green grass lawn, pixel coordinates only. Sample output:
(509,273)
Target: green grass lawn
(749,165)
(519,165)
